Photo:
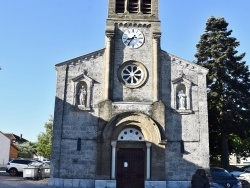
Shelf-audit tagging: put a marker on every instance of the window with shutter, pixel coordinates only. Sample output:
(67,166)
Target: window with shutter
(133,6)
(120,6)
(146,7)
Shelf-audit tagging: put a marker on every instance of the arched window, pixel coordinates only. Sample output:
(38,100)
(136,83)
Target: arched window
(131,134)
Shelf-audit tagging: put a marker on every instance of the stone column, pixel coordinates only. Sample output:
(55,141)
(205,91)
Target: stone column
(109,35)
(148,144)
(139,4)
(126,6)
(156,63)
(113,144)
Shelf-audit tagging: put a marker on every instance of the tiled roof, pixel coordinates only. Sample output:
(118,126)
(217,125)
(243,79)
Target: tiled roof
(10,136)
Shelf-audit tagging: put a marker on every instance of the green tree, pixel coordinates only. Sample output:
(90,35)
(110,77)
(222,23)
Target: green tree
(44,141)
(240,146)
(26,149)
(228,87)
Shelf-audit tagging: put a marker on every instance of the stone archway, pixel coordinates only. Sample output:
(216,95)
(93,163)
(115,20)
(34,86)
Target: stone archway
(144,123)
(144,127)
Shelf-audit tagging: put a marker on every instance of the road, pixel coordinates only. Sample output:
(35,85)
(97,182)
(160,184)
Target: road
(7,181)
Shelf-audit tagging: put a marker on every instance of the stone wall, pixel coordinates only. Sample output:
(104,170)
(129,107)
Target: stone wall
(185,132)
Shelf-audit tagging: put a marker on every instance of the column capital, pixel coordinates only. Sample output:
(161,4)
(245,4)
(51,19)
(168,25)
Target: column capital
(113,143)
(156,35)
(163,142)
(109,33)
(148,144)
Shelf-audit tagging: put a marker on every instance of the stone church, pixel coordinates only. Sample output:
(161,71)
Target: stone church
(129,115)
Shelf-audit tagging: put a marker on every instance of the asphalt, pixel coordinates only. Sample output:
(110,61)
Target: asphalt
(7,181)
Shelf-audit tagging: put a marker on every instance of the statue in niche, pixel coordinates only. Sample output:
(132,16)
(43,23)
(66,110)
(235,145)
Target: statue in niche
(181,100)
(82,94)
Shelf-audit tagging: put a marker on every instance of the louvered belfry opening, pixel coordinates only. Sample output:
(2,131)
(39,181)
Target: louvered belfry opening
(133,6)
(120,6)
(146,7)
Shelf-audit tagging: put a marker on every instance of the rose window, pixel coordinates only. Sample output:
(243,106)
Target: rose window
(132,74)
(131,134)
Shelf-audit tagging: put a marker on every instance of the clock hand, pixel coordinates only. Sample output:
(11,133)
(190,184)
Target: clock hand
(131,39)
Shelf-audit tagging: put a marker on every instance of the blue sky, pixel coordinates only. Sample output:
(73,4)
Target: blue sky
(37,34)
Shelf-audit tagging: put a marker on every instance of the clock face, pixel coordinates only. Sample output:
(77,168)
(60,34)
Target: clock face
(133,38)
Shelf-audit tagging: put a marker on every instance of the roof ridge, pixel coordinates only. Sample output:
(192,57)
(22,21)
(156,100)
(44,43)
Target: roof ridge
(82,57)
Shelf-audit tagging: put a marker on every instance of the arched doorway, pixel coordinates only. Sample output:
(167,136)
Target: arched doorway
(132,136)
(130,156)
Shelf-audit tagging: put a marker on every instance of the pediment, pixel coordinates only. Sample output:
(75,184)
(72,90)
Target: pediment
(181,79)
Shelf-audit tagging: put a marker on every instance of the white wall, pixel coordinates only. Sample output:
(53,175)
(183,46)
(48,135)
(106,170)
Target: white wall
(240,162)
(4,150)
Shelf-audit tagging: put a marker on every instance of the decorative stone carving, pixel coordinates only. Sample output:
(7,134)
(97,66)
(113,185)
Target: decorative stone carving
(82,95)
(132,74)
(181,100)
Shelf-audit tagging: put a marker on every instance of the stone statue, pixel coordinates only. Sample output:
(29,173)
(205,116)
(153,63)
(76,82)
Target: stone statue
(82,95)
(182,100)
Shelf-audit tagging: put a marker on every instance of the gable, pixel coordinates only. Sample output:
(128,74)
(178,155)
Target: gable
(80,59)
(177,61)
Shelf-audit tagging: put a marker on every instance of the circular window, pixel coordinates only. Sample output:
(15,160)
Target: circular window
(132,74)
(131,134)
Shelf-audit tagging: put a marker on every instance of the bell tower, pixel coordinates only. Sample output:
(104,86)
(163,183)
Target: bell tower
(132,51)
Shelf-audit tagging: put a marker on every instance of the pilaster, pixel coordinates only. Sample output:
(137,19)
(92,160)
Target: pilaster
(107,68)
(156,69)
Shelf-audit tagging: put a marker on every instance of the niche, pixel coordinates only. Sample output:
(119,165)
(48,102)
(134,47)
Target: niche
(181,95)
(83,91)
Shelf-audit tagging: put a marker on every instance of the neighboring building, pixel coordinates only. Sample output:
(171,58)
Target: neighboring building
(5,143)
(14,151)
(238,161)
(8,150)
(11,137)
(129,115)
(11,147)
(20,139)
(16,139)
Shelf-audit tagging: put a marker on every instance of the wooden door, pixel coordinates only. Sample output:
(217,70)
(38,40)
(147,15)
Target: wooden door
(130,168)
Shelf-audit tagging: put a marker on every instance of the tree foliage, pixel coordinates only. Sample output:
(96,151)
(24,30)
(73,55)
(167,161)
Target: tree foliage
(240,145)
(44,141)
(26,149)
(228,87)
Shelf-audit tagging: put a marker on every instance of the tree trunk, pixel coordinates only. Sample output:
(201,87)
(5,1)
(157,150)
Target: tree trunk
(225,151)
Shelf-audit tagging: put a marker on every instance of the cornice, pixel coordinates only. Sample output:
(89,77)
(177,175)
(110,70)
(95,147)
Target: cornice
(86,57)
(185,63)
(133,24)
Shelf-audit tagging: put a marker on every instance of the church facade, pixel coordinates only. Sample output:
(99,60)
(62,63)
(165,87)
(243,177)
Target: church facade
(130,115)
